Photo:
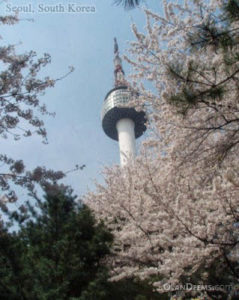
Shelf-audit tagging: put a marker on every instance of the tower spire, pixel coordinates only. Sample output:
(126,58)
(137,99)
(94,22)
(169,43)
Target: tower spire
(118,69)
(120,121)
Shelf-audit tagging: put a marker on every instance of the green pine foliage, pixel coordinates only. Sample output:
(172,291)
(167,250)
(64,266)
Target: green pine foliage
(56,254)
(218,32)
(231,8)
(59,253)
(128,4)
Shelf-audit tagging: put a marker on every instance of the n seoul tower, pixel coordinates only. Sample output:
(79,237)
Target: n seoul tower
(123,124)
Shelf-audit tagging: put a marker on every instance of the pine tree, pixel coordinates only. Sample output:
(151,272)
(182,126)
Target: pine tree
(59,252)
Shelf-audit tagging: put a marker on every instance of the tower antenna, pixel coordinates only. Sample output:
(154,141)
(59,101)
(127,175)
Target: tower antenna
(118,69)
(119,121)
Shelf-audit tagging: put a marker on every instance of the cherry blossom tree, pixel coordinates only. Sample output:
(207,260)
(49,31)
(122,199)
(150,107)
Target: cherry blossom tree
(174,211)
(21,114)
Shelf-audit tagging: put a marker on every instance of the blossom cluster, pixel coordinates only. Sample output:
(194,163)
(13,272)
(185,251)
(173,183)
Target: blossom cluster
(174,210)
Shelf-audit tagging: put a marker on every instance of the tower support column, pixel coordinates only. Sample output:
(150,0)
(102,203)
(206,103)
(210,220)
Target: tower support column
(126,137)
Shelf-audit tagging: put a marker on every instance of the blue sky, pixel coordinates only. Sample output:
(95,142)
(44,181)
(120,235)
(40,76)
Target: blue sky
(85,41)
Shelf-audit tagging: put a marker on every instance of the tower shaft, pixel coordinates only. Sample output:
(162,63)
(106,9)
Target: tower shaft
(126,137)
(120,121)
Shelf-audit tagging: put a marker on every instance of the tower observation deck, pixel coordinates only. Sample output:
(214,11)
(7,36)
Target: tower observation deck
(119,121)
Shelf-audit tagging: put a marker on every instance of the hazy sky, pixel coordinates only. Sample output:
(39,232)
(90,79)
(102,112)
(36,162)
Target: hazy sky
(85,41)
